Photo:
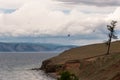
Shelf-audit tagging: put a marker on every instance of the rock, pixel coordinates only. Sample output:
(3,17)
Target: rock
(37,69)
(48,66)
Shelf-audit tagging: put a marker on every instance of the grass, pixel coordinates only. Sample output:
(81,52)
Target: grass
(85,52)
(94,64)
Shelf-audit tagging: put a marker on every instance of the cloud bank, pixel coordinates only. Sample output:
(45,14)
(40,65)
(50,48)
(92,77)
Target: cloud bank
(54,18)
(47,18)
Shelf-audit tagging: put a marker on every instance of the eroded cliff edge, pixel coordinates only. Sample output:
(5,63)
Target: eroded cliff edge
(87,62)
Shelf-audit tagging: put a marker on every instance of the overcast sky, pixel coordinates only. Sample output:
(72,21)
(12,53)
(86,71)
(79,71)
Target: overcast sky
(50,21)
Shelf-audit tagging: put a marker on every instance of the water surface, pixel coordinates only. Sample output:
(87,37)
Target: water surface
(15,66)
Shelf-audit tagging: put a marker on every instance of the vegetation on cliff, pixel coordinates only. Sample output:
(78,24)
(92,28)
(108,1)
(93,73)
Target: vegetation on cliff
(87,62)
(111,34)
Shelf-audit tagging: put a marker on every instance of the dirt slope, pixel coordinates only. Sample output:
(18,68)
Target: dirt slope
(87,62)
(85,52)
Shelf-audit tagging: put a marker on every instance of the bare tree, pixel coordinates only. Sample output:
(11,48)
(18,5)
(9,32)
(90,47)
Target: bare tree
(111,35)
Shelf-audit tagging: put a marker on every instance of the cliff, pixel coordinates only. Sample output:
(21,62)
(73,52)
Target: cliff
(87,62)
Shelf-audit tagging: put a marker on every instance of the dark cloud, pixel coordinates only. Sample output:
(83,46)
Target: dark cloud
(94,2)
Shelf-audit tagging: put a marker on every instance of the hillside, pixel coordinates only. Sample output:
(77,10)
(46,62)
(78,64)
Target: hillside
(85,52)
(87,62)
(32,47)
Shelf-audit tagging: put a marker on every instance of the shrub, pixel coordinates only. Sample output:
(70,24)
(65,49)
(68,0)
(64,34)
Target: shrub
(67,76)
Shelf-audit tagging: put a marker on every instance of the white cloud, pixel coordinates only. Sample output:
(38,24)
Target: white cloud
(46,18)
(39,18)
(115,15)
(11,4)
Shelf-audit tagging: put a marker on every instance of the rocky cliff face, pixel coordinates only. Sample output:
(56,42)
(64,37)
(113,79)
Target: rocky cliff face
(106,67)
(87,62)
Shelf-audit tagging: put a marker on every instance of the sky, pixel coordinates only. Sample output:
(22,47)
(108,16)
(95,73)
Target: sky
(51,21)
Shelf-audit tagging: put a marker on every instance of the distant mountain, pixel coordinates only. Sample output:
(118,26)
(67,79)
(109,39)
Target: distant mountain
(32,47)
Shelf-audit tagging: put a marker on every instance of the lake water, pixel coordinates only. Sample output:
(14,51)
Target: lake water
(15,66)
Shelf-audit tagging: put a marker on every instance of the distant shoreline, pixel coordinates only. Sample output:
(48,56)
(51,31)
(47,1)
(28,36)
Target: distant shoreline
(51,52)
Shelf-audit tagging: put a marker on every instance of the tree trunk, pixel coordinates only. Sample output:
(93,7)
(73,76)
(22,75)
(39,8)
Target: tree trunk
(109,43)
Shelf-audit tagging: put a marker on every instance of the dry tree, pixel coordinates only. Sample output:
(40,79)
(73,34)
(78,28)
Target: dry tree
(111,34)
